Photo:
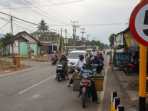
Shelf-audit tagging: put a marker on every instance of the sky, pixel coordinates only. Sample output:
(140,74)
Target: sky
(87,12)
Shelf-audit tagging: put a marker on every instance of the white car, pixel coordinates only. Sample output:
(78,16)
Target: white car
(89,50)
(73,57)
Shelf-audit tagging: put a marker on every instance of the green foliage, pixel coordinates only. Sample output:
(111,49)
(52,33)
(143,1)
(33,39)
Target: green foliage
(98,43)
(70,40)
(0,44)
(7,36)
(111,39)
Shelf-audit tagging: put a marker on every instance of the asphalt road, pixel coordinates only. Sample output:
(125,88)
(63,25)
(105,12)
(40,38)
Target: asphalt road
(37,90)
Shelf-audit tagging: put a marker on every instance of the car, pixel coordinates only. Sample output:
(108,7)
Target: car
(89,50)
(71,50)
(73,57)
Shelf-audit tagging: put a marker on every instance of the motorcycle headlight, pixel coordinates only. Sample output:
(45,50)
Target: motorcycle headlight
(59,68)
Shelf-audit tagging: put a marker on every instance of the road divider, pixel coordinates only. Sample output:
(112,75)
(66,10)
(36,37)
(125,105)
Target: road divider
(113,95)
(115,102)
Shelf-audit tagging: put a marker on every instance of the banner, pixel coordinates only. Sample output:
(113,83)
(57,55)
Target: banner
(132,44)
(120,57)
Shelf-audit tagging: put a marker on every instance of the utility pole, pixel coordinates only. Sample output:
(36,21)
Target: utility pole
(66,38)
(87,40)
(82,35)
(94,42)
(74,32)
(11,26)
(61,41)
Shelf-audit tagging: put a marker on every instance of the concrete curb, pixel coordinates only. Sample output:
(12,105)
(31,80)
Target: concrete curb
(121,86)
(17,71)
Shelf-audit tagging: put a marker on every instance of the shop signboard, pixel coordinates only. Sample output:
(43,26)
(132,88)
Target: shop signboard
(120,57)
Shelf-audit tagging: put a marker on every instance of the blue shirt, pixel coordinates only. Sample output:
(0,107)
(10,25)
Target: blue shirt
(96,61)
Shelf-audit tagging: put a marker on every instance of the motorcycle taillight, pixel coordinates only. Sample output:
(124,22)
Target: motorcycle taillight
(85,84)
(52,58)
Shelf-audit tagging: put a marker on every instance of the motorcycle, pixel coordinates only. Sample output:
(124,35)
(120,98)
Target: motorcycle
(147,84)
(61,71)
(130,67)
(85,88)
(53,61)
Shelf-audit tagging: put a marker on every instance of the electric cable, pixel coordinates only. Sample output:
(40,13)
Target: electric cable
(45,5)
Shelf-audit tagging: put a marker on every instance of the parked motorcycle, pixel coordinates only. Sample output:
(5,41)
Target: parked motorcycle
(85,90)
(147,84)
(130,67)
(61,71)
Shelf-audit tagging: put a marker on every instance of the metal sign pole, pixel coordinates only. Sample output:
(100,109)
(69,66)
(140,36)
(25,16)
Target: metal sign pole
(142,77)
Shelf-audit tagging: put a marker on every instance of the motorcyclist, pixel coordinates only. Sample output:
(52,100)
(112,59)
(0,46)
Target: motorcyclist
(54,56)
(98,62)
(89,54)
(101,58)
(78,65)
(64,60)
(89,69)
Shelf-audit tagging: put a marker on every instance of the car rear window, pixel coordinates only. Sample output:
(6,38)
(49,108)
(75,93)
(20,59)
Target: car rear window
(74,55)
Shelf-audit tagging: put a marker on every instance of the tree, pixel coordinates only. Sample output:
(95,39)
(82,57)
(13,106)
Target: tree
(111,39)
(7,36)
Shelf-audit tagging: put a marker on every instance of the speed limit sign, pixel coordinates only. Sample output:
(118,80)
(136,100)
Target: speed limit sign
(139,23)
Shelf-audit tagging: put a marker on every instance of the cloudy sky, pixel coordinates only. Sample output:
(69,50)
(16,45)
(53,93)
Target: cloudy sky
(98,17)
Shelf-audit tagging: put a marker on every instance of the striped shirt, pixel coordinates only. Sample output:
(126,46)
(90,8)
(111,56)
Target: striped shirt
(88,70)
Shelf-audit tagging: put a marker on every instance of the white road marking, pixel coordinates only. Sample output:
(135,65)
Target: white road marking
(102,92)
(36,84)
(35,96)
(17,72)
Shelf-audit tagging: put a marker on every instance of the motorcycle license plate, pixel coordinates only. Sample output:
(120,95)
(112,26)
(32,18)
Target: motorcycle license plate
(52,61)
(86,81)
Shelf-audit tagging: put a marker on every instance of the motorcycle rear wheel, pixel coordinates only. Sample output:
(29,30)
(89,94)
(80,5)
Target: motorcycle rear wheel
(127,70)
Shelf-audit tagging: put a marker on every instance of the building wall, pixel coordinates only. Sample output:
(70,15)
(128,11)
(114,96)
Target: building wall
(34,47)
(30,39)
(38,50)
(23,48)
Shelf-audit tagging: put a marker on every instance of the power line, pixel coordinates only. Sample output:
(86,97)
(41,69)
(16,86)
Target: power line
(17,25)
(47,13)
(45,5)
(4,25)
(54,11)
(94,24)
(22,4)
(19,18)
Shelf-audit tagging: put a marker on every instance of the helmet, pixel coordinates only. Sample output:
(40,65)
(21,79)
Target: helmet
(81,57)
(95,57)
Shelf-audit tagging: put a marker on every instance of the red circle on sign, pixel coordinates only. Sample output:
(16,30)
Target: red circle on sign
(132,23)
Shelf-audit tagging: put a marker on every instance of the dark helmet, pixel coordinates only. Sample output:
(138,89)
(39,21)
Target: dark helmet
(95,57)
(81,57)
